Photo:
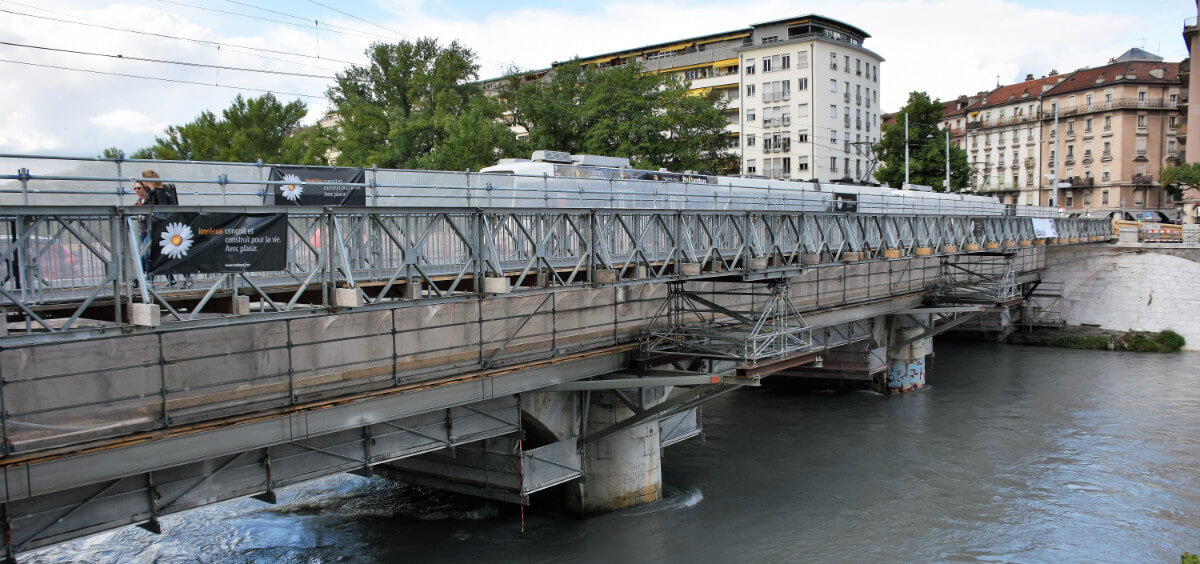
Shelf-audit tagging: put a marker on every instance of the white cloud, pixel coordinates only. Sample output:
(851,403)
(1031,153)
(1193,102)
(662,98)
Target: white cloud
(128,120)
(943,47)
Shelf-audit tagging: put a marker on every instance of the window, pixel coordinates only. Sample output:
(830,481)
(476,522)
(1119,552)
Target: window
(858,67)
(1104,176)
(1108,99)
(785,62)
(847,65)
(801,163)
(802,84)
(802,110)
(1140,146)
(1174,99)
(1107,147)
(749,90)
(1104,198)
(1089,101)
(749,115)
(1170,145)
(832,164)
(1107,123)
(802,136)
(846,162)
(750,168)
(833,61)
(833,111)
(1029,199)
(1141,122)
(1070,151)
(750,67)
(802,63)
(784,142)
(1087,125)
(766,63)
(832,137)
(750,140)
(1142,96)
(1071,128)
(786,166)
(832,85)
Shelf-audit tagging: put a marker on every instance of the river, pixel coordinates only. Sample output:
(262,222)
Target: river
(1011,454)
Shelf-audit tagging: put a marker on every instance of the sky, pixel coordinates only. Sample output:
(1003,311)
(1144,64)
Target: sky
(55,102)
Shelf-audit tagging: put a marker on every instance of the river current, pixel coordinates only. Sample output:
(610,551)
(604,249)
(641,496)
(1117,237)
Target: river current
(1011,454)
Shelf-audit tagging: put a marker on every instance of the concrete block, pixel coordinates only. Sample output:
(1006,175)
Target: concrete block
(924,251)
(893,253)
(606,276)
(756,263)
(347,297)
(640,272)
(852,256)
(810,258)
(145,315)
(3,322)
(949,248)
(688,268)
(1010,243)
(1191,233)
(497,285)
(991,245)
(1025,243)
(414,290)
(972,246)
(240,306)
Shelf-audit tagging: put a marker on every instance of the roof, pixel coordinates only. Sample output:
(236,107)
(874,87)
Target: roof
(819,20)
(1136,54)
(1014,93)
(1119,72)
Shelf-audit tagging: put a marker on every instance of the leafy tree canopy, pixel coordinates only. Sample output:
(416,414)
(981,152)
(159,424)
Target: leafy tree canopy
(926,146)
(623,112)
(413,107)
(1176,179)
(249,130)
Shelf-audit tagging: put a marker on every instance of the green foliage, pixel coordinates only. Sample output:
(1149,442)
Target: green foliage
(1087,342)
(1170,340)
(623,112)
(112,153)
(1189,558)
(1174,179)
(926,147)
(249,130)
(413,107)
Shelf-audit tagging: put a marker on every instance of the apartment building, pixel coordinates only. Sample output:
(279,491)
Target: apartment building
(1118,126)
(801,94)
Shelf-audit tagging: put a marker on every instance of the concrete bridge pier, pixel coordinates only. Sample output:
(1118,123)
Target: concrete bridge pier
(624,468)
(906,353)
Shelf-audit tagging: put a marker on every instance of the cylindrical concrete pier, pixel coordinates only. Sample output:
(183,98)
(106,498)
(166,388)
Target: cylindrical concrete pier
(622,469)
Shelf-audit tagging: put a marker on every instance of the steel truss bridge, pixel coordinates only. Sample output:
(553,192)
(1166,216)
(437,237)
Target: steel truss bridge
(261,379)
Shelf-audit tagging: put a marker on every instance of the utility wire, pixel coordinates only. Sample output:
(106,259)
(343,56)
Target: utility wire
(305,26)
(360,19)
(184,63)
(176,37)
(159,78)
(326,24)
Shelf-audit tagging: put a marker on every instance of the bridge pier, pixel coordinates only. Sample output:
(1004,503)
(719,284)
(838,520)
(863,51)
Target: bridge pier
(622,469)
(906,357)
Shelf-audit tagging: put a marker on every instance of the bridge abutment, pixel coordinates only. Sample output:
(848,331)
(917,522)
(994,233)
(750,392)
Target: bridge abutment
(906,358)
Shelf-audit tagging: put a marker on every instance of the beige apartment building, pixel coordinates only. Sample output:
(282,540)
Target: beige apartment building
(1118,126)
(801,94)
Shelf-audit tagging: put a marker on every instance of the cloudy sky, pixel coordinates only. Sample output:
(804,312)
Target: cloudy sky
(55,101)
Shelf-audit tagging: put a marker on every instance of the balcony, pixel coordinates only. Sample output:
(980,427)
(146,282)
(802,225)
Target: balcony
(1028,163)
(1081,181)
(1120,103)
(1106,156)
(1142,180)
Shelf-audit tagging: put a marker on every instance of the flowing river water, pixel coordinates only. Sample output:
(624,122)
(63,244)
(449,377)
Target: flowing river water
(1011,454)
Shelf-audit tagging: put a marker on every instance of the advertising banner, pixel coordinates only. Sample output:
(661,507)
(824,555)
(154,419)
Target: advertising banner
(1044,228)
(300,190)
(191,243)
(843,202)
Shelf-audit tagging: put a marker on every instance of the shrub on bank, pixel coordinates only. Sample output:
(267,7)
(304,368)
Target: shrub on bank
(1166,341)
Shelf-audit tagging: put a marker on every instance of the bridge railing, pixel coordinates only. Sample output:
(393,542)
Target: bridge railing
(68,181)
(71,268)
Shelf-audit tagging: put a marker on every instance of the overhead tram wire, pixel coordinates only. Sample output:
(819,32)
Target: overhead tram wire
(163,61)
(305,26)
(161,79)
(216,44)
(349,15)
(323,23)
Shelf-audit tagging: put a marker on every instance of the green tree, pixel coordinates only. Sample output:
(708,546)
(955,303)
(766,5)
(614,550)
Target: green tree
(624,112)
(414,107)
(1176,179)
(250,129)
(112,153)
(926,146)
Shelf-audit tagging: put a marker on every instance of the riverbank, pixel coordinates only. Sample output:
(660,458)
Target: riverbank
(1094,338)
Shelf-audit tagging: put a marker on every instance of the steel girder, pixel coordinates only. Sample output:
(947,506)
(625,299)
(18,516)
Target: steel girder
(71,261)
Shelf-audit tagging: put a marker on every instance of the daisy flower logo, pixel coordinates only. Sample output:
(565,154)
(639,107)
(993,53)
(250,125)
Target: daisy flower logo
(292,189)
(176,240)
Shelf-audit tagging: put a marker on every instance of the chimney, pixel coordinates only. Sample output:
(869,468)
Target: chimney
(1029,76)
(1053,72)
